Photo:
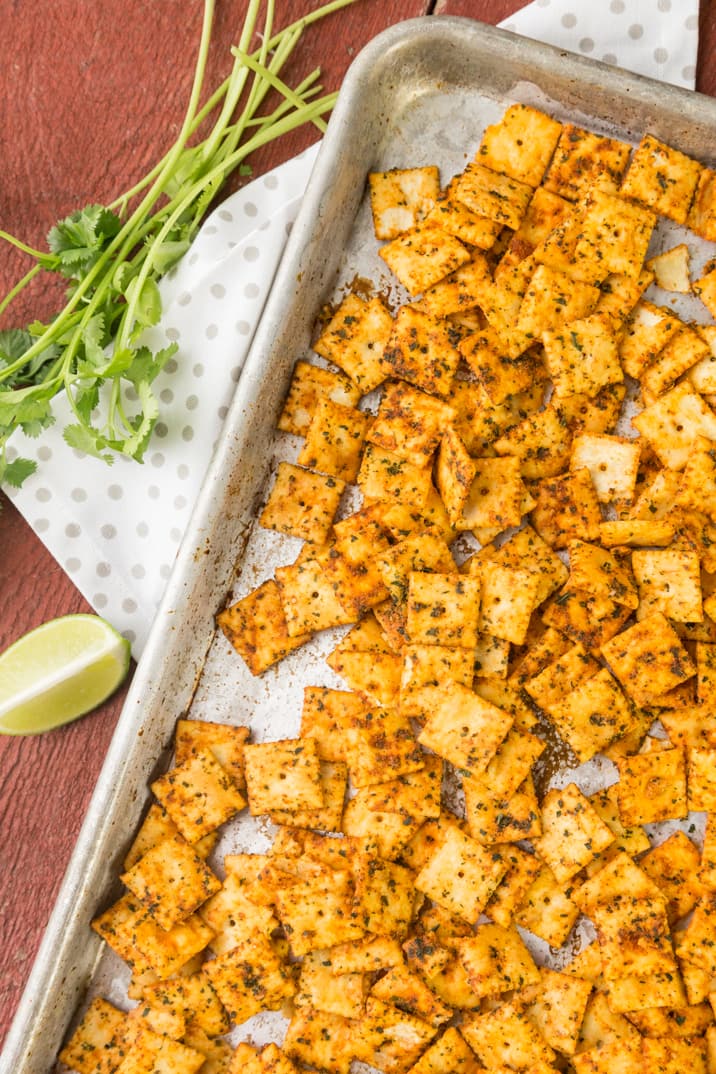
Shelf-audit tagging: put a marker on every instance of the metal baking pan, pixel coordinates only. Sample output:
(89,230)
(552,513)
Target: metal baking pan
(422,92)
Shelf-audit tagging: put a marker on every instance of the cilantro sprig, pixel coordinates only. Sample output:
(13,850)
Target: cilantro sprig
(112,256)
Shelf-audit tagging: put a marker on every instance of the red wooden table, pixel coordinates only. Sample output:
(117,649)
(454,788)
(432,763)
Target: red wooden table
(93,94)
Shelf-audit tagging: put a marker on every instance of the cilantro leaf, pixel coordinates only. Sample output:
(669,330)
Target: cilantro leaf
(79,239)
(15,472)
(88,440)
(146,366)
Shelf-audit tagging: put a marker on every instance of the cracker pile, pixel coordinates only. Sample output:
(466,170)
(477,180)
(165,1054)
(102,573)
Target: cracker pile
(521,583)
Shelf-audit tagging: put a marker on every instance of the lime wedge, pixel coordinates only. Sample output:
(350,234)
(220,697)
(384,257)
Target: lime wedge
(59,671)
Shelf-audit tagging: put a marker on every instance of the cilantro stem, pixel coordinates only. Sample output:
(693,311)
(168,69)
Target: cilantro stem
(14,291)
(21,245)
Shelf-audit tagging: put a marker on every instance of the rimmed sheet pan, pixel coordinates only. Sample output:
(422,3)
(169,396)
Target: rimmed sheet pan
(420,93)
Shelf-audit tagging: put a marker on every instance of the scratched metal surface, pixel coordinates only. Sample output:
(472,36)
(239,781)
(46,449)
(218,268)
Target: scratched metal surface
(420,93)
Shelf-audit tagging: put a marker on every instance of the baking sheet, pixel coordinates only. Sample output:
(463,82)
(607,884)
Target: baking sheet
(420,93)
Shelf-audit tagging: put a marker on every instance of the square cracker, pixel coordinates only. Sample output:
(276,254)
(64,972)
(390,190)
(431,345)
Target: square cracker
(198,795)
(462,727)
(506,1038)
(172,881)
(648,330)
(375,676)
(385,896)
(415,795)
(449,1054)
(673,866)
(559,677)
(552,299)
(592,715)
(559,1008)
(460,875)
(420,350)
(356,581)
(497,498)
(615,235)
(541,442)
(443,609)
(492,819)
(426,552)
(612,463)
(384,475)
(685,349)
(634,938)
(284,774)
(669,581)
(496,960)
(585,161)
(389,833)
(324,715)
(401,198)
(226,742)
(509,596)
(409,423)
(662,178)
(423,256)
(492,195)
(584,617)
(152,1051)
(381,747)
(547,909)
(522,868)
(302,503)
(648,659)
(129,929)
(573,833)
(582,356)
(354,339)
(520,144)
(652,787)
(308,599)
(474,230)
(432,665)
(250,978)
(334,440)
(256,627)
(566,508)
(673,424)
(309,384)
(318,910)
(503,362)
(455,472)
(528,551)
(95,1046)
(605,574)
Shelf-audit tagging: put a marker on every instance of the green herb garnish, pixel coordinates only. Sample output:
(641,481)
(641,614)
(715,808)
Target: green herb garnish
(114,255)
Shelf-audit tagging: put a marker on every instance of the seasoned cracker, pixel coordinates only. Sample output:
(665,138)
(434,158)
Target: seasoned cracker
(354,339)
(401,198)
(309,384)
(256,627)
(661,178)
(520,144)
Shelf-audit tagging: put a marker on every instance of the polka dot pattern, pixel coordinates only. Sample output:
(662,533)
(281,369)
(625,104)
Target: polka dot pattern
(117,531)
(656,39)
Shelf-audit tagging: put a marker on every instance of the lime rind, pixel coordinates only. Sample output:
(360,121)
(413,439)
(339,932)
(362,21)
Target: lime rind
(59,672)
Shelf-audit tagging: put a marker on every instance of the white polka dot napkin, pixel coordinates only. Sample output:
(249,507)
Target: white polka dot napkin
(116,529)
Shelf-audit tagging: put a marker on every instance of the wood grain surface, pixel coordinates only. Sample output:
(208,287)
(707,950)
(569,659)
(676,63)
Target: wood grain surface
(90,96)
